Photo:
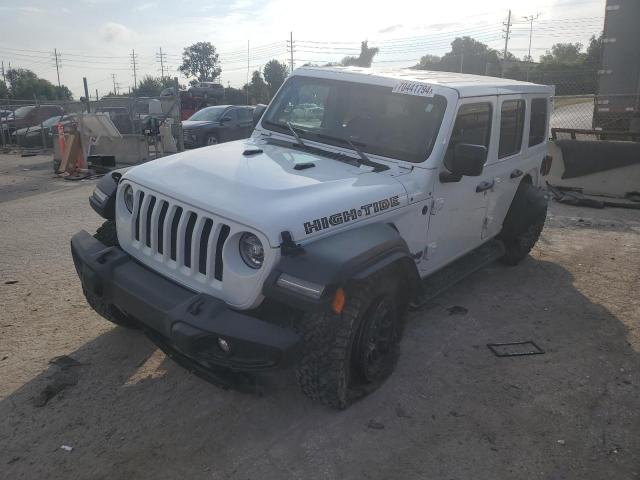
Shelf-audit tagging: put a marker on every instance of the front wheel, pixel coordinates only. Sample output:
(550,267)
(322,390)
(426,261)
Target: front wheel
(347,356)
(211,140)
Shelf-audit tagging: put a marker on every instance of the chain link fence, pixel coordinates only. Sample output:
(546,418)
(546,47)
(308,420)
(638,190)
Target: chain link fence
(601,115)
(33,125)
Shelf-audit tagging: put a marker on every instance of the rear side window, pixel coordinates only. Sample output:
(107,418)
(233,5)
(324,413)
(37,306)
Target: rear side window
(511,126)
(538,125)
(473,125)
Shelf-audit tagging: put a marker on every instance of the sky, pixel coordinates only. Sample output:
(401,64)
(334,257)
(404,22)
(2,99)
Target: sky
(95,38)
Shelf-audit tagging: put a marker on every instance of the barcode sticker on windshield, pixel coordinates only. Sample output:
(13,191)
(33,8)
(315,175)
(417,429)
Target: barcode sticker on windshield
(414,88)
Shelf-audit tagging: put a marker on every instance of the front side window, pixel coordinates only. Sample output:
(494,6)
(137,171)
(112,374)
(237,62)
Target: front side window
(372,117)
(511,127)
(473,125)
(538,125)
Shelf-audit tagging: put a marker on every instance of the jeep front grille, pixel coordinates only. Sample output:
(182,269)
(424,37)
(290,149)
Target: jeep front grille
(189,242)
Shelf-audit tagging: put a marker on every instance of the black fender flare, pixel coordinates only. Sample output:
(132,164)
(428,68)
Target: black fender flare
(108,185)
(529,204)
(335,260)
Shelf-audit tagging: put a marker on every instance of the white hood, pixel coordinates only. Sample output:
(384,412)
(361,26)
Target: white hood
(264,190)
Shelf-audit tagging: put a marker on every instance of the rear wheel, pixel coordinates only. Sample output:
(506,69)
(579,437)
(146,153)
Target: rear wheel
(523,224)
(348,356)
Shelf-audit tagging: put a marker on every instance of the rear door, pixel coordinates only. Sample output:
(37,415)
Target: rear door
(459,208)
(245,121)
(509,166)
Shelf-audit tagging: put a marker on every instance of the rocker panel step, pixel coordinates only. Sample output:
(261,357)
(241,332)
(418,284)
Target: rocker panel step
(443,279)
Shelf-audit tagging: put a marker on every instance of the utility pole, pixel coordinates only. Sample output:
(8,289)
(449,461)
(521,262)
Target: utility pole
(161,57)
(55,53)
(290,46)
(86,94)
(461,61)
(133,62)
(248,56)
(116,85)
(530,19)
(506,43)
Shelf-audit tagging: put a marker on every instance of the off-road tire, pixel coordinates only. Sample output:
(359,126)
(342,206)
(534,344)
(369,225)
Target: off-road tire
(523,224)
(327,371)
(108,235)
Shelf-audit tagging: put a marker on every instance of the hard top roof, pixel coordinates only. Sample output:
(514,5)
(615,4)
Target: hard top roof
(466,85)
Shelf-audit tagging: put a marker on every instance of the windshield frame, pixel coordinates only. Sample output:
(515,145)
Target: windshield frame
(306,134)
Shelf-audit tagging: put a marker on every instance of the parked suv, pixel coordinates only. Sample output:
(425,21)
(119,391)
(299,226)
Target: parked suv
(29,116)
(213,125)
(306,244)
(206,90)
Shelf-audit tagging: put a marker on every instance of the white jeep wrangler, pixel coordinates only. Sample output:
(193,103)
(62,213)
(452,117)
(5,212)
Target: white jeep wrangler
(359,194)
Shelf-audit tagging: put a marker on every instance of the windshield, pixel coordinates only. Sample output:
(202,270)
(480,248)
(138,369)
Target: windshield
(211,114)
(50,122)
(22,112)
(374,118)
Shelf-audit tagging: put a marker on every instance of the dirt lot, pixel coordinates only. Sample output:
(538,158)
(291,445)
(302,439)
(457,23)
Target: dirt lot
(452,410)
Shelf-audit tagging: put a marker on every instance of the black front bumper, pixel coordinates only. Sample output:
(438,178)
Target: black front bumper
(179,320)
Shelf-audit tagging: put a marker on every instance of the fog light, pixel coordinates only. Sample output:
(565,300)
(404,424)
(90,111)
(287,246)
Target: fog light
(224,345)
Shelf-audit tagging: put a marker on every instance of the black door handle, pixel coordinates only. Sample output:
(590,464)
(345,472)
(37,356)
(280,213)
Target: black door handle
(516,173)
(484,186)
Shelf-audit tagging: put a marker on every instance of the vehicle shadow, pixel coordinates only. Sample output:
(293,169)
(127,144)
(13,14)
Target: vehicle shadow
(451,410)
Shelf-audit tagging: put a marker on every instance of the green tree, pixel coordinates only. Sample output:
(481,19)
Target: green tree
(593,57)
(4,90)
(473,55)
(258,89)
(24,84)
(275,73)
(235,96)
(201,61)
(564,54)
(364,59)
(152,86)
(428,62)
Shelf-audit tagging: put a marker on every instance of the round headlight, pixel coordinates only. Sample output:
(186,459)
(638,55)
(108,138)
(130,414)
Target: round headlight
(128,197)
(251,250)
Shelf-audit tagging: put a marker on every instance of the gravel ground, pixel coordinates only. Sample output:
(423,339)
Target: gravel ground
(452,410)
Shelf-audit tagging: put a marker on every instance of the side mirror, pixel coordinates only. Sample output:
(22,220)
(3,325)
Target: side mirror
(468,160)
(258,112)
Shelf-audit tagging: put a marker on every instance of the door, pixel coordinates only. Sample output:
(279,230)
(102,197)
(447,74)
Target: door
(509,166)
(230,126)
(245,122)
(459,207)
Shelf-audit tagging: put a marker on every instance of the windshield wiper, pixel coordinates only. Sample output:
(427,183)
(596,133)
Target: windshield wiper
(364,159)
(295,134)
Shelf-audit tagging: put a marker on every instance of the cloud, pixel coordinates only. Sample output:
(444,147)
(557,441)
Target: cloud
(145,6)
(391,28)
(30,9)
(116,32)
